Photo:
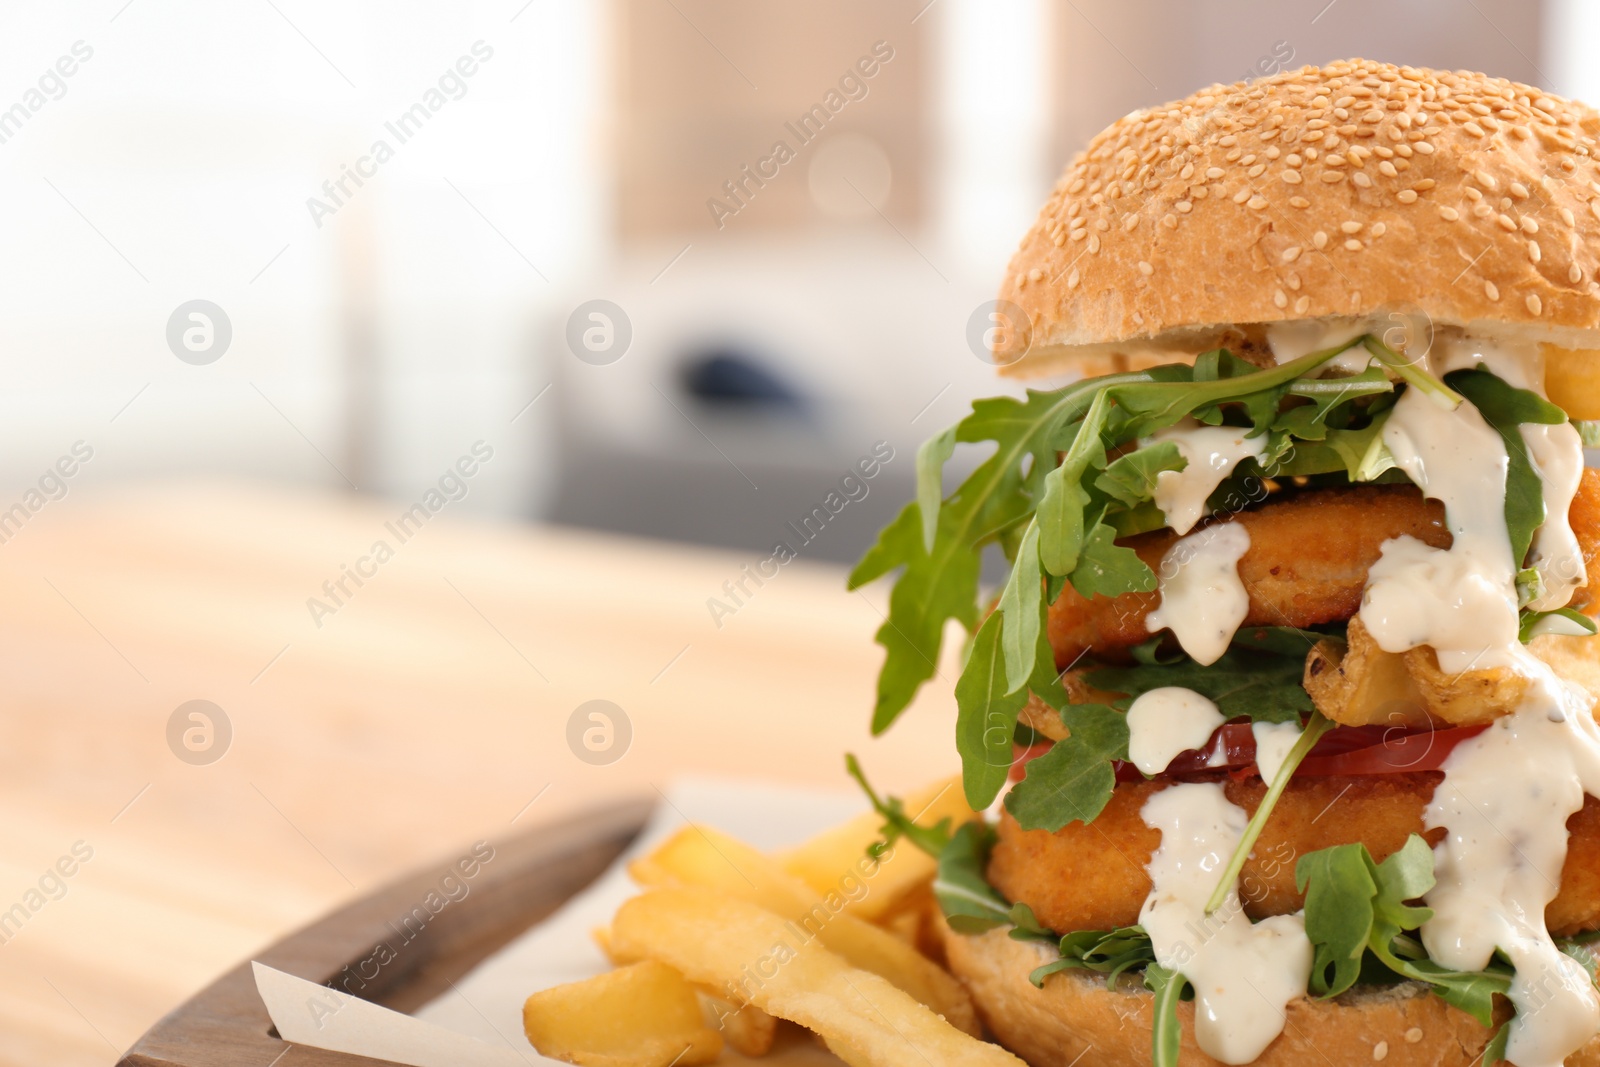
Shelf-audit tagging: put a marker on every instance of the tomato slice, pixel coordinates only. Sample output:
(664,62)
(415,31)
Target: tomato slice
(1342,751)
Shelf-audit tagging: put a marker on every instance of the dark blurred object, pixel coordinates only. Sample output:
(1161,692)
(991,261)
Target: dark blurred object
(732,376)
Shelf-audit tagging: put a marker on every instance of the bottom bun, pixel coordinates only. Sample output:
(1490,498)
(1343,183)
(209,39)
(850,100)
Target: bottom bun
(1076,1017)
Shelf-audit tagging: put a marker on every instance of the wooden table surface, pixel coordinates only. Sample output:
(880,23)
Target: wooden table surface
(428,711)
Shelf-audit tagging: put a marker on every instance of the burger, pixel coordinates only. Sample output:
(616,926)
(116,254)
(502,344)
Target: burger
(1284,717)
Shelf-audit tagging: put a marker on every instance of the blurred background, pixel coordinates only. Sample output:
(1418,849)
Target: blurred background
(401,248)
(623,288)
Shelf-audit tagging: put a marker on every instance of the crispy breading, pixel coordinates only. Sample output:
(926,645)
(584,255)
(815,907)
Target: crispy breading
(1307,562)
(1093,877)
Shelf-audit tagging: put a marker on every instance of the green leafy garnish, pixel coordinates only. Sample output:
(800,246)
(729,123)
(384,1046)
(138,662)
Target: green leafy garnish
(1356,906)
(1412,372)
(1576,623)
(970,904)
(1259,676)
(1073,781)
(986,716)
(1166,1035)
(1107,952)
(1314,729)
(1506,408)
(896,823)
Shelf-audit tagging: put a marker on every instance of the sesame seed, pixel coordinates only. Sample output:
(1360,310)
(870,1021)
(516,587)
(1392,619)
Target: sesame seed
(1183,207)
(1242,195)
(1294,282)
(1292,177)
(1255,203)
(1413,1035)
(1187,172)
(1035,274)
(1352,245)
(1535,305)
(1320,240)
(1331,176)
(1474,129)
(1506,222)
(1146,269)
(1291,253)
(1301,305)
(1485,179)
(1387,168)
(1380,1050)
(1102,225)
(1372,116)
(1255,171)
(1533,251)
(1529,224)
(1130,221)
(1407,196)
(1350,226)
(1473,194)
(1483,211)
(1299,201)
(1214,173)
(1424,147)
(1519,190)
(1280,298)
(1076,186)
(1170,221)
(1567,217)
(1378,229)
(1424,185)
(1491,290)
(1072,279)
(1574,274)
(1094,242)
(1078,235)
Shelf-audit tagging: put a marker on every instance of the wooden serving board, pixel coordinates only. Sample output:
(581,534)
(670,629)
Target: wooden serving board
(226,1025)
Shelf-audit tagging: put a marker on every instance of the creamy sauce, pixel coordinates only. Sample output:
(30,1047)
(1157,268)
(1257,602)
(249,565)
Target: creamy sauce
(1273,742)
(1462,600)
(1557,455)
(1291,340)
(1504,801)
(1167,721)
(1506,793)
(1203,602)
(1210,454)
(1243,974)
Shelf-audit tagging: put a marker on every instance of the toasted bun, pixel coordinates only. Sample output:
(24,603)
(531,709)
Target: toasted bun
(1402,1025)
(1354,189)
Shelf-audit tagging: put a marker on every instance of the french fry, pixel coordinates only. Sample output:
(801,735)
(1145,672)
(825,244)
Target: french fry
(697,856)
(643,1015)
(731,944)
(746,1027)
(825,859)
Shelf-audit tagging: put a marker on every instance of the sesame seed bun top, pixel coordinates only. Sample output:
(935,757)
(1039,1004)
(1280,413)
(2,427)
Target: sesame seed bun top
(1353,189)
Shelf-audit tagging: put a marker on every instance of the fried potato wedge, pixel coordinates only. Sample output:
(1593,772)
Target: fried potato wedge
(1359,684)
(760,958)
(699,856)
(642,1015)
(748,1029)
(828,857)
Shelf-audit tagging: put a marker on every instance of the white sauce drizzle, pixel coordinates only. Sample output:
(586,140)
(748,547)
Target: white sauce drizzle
(1505,800)
(1461,600)
(1203,600)
(1273,742)
(1301,337)
(1557,455)
(1167,721)
(1211,453)
(1243,974)
(1507,793)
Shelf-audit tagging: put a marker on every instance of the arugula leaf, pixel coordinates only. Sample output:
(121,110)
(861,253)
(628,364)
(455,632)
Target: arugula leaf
(1309,422)
(1413,372)
(1588,432)
(1131,477)
(1109,569)
(1073,781)
(1022,606)
(1166,1035)
(1569,621)
(986,717)
(1355,907)
(931,458)
(970,904)
(896,823)
(1261,682)
(1506,408)
(1107,952)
